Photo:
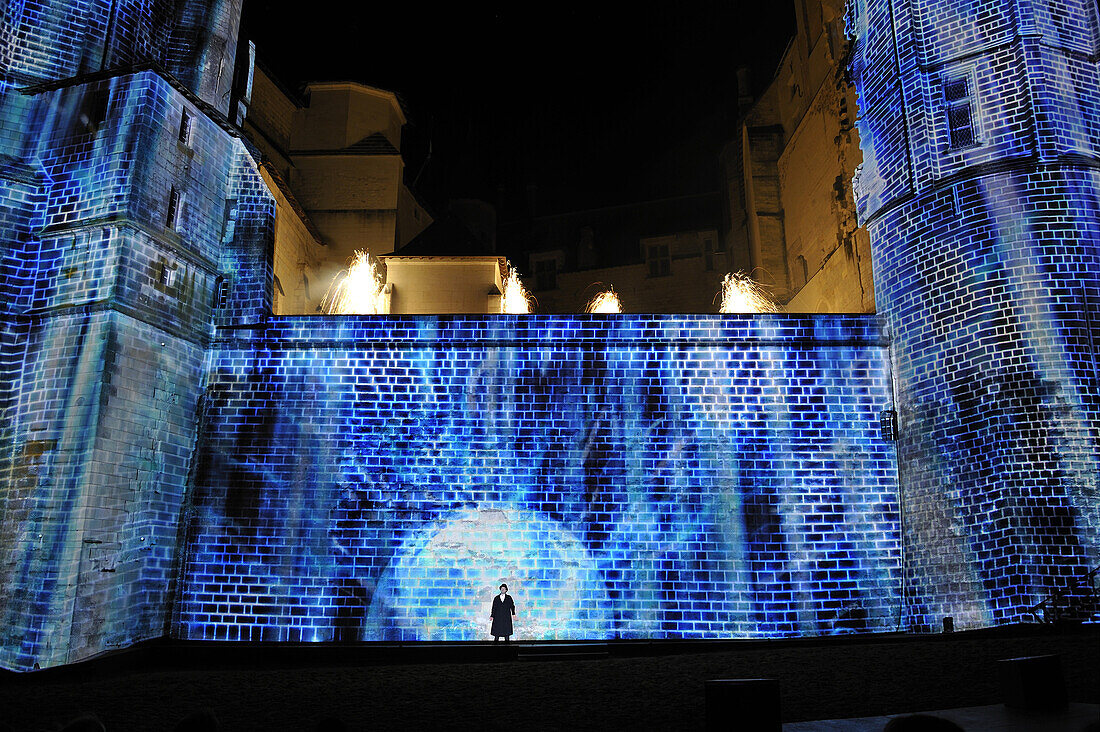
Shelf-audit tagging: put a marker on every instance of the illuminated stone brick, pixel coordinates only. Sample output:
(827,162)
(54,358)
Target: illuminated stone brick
(987,267)
(627,476)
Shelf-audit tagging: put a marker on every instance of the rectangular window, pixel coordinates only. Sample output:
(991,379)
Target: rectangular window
(175,206)
(546,274)
(185,128)
(660,263)
(166,275)
(221,293)
(958,97)
(93,110)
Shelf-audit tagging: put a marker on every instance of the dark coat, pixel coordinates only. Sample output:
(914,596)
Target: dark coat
(502,616)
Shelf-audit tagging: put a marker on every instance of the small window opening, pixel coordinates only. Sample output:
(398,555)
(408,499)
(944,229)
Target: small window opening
(959,100)
(93,110)
(186,121)
(175,205)
(221,293)
(166,275)
(546,274)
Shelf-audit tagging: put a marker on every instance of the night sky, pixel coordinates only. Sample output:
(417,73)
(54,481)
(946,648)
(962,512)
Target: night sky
(593,106)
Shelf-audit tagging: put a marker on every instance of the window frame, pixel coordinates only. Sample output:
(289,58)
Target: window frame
(659,265)
(965,76)
(186,129)
(175,209)
(545,270)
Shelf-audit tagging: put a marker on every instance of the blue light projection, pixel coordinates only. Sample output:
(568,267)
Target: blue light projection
(173,459)
(104,310)
(636,476)
(987,267)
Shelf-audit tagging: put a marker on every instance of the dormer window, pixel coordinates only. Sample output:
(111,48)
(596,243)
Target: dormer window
(546,273)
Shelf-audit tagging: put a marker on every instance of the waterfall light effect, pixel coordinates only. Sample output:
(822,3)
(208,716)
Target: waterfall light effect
(356,290)
(742,294)
(516,300)
(605,302)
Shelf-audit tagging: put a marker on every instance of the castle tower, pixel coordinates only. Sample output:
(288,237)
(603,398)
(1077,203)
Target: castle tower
(980,127)
(125,199)
(50,40)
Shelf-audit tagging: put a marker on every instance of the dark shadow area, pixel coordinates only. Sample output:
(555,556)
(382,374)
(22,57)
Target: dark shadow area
(609,685)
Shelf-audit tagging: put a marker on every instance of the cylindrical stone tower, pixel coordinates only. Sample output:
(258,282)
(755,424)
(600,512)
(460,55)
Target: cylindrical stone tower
(980,128)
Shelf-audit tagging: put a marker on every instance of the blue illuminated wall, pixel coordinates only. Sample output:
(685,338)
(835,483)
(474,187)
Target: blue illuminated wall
(106,311)
(987,266)
(51,40)
(175,460)
(638,476)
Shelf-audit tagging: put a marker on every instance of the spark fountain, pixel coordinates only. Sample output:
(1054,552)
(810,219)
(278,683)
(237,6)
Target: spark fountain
(516,300)
(742,294)
(605,302)
(357,290)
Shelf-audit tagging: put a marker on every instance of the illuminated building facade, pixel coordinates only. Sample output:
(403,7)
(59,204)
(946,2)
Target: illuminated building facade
(980,187)
(788,174)
(133,217)
(176,459)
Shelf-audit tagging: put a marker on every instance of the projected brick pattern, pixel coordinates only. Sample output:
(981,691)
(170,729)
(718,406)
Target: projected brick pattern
(634,476)
(987,267)
(194,40)
(105,312)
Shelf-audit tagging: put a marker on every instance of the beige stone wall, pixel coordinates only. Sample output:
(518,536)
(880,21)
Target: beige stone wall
(341,114)
(438,285)
(795,213)
(354,200)
(843,284)
(690,289)
(270,120)
(298,257)
(347,182)
(412,218)
(344,232)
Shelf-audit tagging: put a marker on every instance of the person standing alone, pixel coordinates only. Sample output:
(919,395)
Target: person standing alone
(503,610)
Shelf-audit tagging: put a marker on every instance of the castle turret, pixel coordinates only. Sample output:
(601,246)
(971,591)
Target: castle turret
(980,128)
(129,214)
(194,40)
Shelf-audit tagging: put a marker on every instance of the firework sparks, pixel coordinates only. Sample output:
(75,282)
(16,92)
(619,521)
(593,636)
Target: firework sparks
(605,302)
(742,294)
(356,290)
(516,300)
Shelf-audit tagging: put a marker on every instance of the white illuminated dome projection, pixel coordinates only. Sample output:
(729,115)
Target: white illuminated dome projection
(441,584)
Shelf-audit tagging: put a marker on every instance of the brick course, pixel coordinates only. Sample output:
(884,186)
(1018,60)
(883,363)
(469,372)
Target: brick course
(635,476)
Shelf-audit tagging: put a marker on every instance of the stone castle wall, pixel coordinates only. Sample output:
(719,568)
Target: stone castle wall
(107,312)
(628,476)
(986,266)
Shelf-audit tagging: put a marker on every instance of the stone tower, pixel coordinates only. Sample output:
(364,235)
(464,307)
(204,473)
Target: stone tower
(125,201)
(980,127)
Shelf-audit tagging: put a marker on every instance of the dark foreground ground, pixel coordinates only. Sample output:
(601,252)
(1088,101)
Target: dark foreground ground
(635,686)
